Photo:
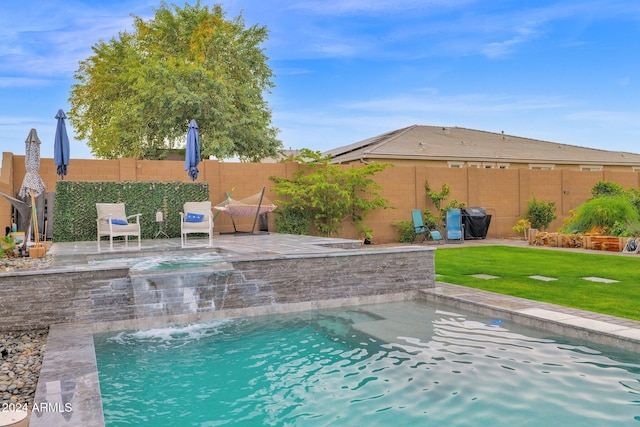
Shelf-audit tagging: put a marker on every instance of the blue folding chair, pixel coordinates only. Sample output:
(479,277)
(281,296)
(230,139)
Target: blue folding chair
(420,229)
(454,228)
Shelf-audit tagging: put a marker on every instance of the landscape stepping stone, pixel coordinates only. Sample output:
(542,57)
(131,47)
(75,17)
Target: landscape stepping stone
(600,280)
(484,276)
(543,278)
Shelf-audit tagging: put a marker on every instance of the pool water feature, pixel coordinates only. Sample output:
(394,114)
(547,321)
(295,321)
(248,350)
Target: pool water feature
(169,262)
(402,363)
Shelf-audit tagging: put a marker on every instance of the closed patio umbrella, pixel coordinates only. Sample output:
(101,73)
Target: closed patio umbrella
(61,145)
(32,182)
(192,155)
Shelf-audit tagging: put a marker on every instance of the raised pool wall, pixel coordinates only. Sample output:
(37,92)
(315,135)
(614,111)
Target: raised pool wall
(114,295)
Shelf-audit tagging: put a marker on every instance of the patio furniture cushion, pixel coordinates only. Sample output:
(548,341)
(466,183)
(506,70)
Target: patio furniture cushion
(193,217)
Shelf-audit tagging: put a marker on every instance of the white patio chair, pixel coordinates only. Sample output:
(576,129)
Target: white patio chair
(113,221)
(196,218)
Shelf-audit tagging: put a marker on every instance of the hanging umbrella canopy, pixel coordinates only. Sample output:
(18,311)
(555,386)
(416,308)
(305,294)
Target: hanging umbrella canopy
(32,181)
(192,155)
(61,145)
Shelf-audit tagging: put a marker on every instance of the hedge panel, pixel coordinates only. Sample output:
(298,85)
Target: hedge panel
(75,205)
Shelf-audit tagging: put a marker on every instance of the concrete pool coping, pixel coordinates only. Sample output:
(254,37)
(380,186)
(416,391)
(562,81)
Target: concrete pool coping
(68,391)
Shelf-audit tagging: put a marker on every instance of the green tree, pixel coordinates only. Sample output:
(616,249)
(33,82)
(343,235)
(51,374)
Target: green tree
(137,93)
(330,194)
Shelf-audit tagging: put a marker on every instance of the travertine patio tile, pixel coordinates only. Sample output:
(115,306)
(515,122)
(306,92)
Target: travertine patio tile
(600,280)
(595,325)
(484,276)
(543,278)
(548,314)
(630,333)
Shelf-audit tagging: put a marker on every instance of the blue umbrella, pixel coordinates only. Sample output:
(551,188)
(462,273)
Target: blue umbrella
(61,145)
(192,155)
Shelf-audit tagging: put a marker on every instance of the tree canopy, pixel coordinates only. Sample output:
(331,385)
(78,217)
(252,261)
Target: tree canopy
(137,93)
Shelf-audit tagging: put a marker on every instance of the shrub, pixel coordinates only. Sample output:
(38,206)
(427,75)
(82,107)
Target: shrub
(540,214)
(407,231)
(330,193)
(606,188)
(603,213)
(521,227)
(293,221)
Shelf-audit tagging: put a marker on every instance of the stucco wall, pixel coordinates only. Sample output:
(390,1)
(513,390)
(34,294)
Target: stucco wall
(504,193)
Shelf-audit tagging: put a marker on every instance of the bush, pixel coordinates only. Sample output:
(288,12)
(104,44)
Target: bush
(540,214)
(521,227)
(606,188)
(330,193)
(293,221)
(407,231)
(602,213)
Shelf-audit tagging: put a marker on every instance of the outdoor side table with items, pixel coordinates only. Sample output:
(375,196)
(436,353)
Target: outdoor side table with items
(160,221)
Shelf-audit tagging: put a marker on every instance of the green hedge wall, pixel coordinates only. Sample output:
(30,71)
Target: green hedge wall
(75,213)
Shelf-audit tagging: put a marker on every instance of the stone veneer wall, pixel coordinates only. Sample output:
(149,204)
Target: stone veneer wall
(39,299)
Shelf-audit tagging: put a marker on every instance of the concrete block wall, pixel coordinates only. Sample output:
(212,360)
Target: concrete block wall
(504,193)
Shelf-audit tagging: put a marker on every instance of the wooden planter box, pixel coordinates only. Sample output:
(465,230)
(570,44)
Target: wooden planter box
(596,243)
(605,243)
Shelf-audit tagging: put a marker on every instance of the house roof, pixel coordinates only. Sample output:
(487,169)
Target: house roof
(455,144)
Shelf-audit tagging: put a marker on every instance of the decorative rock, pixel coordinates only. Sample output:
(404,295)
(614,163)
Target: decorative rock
(19,371)
(16,263)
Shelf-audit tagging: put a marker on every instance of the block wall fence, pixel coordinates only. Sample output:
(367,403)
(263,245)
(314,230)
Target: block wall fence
(503,193)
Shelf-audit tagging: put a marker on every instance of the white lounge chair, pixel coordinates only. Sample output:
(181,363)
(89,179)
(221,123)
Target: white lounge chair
(113,221)
(196,218)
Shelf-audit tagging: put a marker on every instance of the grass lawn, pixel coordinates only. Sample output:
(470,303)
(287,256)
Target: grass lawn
(513,266)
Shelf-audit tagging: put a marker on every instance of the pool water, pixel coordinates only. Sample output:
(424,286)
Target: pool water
(142,264)
(401,364)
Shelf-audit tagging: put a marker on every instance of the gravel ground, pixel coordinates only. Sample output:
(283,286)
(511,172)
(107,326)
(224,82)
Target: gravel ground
(21,353)
(15,263)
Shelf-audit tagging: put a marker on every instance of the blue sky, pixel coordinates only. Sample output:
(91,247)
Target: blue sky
(346,70)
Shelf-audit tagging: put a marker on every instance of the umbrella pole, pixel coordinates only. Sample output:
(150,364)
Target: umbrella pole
(36,233)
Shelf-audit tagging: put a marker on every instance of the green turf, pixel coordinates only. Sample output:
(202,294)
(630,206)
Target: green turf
(514,265)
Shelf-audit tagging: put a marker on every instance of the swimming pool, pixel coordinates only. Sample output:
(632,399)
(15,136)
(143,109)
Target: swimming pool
(399,364)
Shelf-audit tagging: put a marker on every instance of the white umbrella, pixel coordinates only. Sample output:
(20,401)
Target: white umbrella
(32,183)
